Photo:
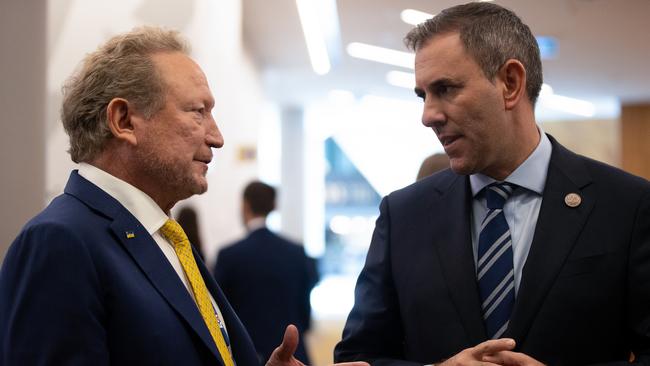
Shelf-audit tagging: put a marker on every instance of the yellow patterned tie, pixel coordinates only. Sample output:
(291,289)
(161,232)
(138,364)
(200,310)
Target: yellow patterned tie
(175,234)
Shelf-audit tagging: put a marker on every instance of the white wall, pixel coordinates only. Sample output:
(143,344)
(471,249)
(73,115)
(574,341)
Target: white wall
(216,36)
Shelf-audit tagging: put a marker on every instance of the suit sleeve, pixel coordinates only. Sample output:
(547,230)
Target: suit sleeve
(639,284)
(51,310)
(373,331)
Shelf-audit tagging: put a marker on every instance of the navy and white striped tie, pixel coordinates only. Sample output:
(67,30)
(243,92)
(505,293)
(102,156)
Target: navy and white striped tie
(494,267)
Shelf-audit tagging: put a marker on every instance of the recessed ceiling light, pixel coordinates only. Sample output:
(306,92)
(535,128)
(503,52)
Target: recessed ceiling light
(401,79)
(319,20)
(567,104)
(414,17)
(381,54)
(548,99)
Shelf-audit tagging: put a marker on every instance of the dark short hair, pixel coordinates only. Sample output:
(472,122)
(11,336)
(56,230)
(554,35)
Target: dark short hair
(260,197)
(491,34)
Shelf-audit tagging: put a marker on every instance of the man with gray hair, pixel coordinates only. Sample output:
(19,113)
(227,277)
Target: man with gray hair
(523,253)
(103,275)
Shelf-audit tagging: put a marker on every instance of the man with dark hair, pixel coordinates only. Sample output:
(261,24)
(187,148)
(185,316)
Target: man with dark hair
(523,253)
(266,277)
(103,275)
(259,200)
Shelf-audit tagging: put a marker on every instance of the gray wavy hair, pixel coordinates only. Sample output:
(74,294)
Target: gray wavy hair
(491,34)
(121,68)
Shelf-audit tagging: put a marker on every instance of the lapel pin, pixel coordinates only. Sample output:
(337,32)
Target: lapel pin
(573,200)
(130,235)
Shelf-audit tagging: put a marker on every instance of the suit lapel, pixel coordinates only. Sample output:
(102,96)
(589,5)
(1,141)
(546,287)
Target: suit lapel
(557,229)
(454,247)
(145,252)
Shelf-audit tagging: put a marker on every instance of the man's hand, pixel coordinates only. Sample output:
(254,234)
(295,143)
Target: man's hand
(509,358)
(283,354)
(481,354)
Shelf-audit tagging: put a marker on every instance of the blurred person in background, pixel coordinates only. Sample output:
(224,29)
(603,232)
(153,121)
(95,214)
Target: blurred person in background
(267,278)
(432,164)
(189,221)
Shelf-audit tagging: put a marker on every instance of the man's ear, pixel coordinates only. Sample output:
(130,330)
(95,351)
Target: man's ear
(120,115)
(513,76)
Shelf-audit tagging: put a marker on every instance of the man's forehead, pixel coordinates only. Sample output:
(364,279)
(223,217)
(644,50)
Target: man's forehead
(444,51)
(178,67)
(444,42)
(174,61)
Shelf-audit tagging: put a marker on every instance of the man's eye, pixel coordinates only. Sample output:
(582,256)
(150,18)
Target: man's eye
(442,89)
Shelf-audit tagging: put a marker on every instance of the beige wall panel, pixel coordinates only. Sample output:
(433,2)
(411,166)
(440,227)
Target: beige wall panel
(635,134)
(597,139)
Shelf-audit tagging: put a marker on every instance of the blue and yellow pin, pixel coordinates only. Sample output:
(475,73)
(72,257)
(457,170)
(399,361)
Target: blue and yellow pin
(130,235)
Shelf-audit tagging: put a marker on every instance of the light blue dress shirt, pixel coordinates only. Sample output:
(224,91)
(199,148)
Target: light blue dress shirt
(521,209)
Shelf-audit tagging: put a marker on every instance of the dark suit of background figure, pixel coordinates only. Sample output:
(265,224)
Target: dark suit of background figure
(268,280)
(75,290)
(585,290)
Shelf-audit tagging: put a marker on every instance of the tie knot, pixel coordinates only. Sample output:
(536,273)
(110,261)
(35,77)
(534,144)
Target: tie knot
(173,231)
(496,194)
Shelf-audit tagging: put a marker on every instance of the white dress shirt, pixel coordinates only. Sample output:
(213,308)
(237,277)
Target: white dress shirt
(145,210)
(521,209)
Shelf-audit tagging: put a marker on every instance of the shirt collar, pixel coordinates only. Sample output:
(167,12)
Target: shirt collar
(138,203)
(255,223)
(531,174)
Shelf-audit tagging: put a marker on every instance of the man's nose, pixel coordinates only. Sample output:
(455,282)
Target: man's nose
(432,115)
(213,136)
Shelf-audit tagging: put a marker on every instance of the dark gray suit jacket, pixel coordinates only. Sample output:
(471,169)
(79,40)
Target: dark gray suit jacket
(584,297)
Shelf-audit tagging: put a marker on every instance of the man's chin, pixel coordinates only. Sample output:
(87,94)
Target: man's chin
(192,188)
(202,189)
(201,186)
(460,167)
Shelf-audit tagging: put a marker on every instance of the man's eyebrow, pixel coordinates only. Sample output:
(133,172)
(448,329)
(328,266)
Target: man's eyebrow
(442,81)
(438,82)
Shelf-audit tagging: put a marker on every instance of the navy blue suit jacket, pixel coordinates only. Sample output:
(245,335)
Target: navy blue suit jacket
(268,280)
(76,290)
(584,296)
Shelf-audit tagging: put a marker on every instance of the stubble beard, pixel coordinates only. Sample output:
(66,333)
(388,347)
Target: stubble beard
(173,178)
